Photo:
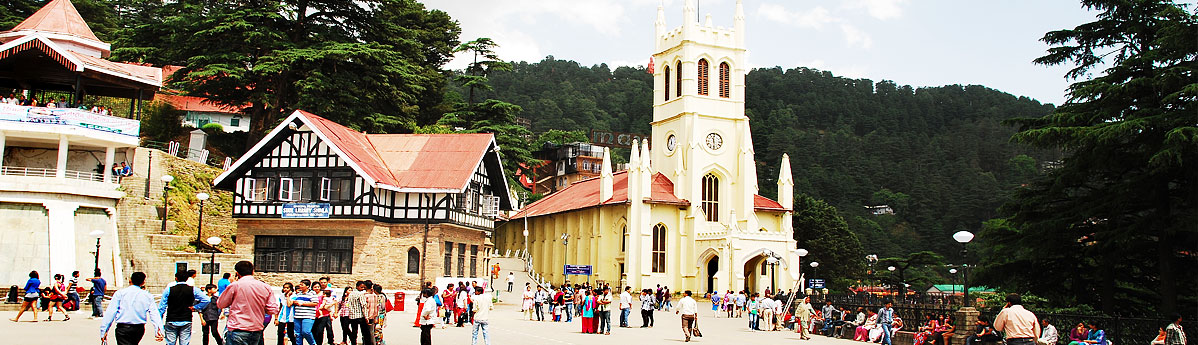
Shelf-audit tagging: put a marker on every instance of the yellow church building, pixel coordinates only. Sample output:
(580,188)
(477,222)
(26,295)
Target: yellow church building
(686,213)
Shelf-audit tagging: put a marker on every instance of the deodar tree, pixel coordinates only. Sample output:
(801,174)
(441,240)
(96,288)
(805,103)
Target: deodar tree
(1113,225)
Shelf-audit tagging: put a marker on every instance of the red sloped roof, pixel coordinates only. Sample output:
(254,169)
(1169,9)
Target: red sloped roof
(436,161)
(60,17)
(192,103)
(416,161)
(585,193)
(765,204)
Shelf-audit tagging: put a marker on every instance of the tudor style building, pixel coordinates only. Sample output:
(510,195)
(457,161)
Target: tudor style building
(315,198)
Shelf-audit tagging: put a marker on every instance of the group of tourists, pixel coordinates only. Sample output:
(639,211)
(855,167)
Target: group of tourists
(592,304)
(50,102)
(60,295)
(459,304)
(308,308)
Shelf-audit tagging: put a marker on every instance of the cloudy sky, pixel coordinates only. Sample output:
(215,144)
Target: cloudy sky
(912,42)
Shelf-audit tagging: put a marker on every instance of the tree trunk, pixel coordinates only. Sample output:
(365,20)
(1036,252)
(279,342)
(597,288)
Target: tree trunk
(260,122)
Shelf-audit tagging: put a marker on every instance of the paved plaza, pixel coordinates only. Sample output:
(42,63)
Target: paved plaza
(507,327)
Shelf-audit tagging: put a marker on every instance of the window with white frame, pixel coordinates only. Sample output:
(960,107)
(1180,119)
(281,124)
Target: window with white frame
(289,189)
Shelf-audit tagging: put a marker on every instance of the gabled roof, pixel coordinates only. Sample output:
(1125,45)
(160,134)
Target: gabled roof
(409,163)
(765,204)
(59,17)
(79,62)
(585,194)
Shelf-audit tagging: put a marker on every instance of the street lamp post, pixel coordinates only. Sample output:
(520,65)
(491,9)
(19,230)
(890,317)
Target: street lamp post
(97,234)
(566,254)
(814,266)
(200,224)
(870,260)
(773,262)
(213,241)
(891,269)
(953,280)
(801,253)
(166,184)
(964,237)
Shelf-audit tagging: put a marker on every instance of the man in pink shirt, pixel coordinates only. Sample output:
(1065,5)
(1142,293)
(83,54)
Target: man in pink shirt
(249,302)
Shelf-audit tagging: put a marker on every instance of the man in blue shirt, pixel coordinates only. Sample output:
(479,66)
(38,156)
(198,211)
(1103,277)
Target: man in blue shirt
(131,308)
(222,284)
(885,318)
(99,288)
(177,302)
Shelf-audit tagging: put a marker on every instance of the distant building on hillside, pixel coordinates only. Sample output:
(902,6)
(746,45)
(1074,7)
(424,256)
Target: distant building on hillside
(197,111)
(879,210)
(565,164)
(524,122)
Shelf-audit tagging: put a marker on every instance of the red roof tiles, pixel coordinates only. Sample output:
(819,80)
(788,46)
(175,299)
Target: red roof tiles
(198,104)
(60,17)
(765,204)
(585,194)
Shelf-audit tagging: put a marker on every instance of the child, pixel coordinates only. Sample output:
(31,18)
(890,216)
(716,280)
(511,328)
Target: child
(210,316)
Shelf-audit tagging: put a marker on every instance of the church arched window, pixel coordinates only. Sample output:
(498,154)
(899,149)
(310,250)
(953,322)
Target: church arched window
(702,77)
(667,82)
(725,72)
(413,260)
(624,238)
(659,248)
(711,197)
(678,79)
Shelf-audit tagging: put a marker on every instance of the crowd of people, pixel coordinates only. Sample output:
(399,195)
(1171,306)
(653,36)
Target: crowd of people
(50,102)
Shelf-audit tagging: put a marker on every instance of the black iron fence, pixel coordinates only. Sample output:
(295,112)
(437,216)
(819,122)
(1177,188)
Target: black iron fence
(915,309)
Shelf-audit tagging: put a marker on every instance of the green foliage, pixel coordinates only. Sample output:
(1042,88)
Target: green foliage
(1112,223)
(192,178)
(370,65)
(476,73)
(559,137)
(819,228)
(212,127)
(918,269)
(160,121)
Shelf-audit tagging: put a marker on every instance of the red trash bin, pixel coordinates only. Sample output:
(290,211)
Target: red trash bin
(399,301)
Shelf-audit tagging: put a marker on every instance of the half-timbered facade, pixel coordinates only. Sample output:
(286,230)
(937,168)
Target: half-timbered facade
(317,198)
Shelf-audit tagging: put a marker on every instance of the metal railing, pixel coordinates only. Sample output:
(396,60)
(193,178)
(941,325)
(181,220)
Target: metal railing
(43,172)
(213,160)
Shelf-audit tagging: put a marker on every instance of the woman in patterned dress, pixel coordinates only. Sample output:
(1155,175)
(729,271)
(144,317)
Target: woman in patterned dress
(381,322)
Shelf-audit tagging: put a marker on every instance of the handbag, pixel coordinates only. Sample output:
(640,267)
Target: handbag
(695,327)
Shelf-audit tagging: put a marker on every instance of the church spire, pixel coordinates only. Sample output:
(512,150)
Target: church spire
(690,15)
(786,184)
(606,186)
(738,26)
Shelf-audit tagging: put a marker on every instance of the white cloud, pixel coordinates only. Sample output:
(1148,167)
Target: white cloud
(880,9)
(814,18)
(855,37)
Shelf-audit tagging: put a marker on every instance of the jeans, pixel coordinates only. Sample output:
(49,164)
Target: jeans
(569,312)
(426,334)
(365,329)
(74,297)
(349,330)
(540,311)
(323,326)
(178,332)
(97,305)
(483,325)
(604,321)
(211,327)
(753,319)
(129,333)
(286,330)
(624,316)
(303,331)
(885,333)
(239,337)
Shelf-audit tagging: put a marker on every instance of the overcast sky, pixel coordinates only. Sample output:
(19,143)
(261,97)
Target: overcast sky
(912,42)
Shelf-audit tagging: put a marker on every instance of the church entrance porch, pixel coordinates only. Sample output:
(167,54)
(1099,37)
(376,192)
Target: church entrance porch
(713,268)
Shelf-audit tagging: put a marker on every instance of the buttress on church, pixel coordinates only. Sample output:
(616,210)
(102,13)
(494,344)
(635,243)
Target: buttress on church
(686,213)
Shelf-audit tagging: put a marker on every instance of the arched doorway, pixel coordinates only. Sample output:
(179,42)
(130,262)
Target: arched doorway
(713,267)
(753,274)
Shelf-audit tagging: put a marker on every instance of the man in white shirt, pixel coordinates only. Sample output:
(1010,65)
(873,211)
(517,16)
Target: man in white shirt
(482,315)
(511,280)
(625,306)
(689,310)
(1048,332)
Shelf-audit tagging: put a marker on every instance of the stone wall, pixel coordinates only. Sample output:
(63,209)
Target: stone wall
(380,249)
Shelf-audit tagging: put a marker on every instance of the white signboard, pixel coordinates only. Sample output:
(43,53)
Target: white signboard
(70,117)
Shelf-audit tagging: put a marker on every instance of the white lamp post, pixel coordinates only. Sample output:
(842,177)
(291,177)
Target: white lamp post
(213,241)
(964,237)
(813,265)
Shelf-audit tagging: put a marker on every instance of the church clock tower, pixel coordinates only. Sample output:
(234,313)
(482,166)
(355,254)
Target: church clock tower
(700,134)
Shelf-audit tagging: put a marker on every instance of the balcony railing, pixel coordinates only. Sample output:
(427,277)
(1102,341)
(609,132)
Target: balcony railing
(70,117)
(43,172)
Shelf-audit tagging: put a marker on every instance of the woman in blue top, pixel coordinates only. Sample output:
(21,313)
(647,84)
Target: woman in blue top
(33,288)
(1097,336)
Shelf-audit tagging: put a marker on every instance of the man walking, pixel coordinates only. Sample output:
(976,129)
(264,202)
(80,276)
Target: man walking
(1174,334)
(568,298)
(248,301)
(511,280)
(73,291)
(99,288)
(482,315)
(177,302)
(625,306)
(689,310)
(131,308)
(1016,323)
(885,319)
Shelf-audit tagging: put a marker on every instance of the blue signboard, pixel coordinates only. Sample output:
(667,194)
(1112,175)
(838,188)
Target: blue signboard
(816,284)
(311,210)
(578,270)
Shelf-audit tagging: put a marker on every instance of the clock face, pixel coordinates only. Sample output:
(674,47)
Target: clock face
(714,141)
(671,143)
